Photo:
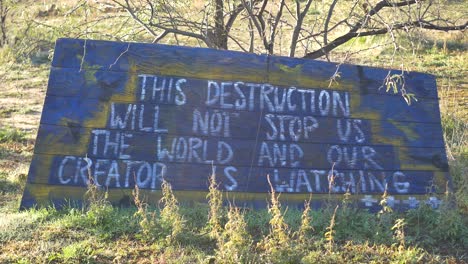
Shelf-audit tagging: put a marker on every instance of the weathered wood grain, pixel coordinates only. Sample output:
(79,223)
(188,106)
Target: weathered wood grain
(129,114)
(226,65)
(161,59)
(98,83)
(364,80)
(201,149)
(127,88)
(44,194)
(180,120)
(73,171)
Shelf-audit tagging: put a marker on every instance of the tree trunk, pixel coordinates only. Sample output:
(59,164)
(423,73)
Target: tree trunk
(220,35)
(3,28)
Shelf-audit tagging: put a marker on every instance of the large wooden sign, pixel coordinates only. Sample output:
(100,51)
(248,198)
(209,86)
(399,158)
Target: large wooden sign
(131,113)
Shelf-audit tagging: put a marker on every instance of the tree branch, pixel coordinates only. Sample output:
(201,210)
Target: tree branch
(327,21)
(377,8)
(274,26)
(298,27)
(233,17)
(343,39)
(161,36)
(257,20)
(179,32)
(130,11)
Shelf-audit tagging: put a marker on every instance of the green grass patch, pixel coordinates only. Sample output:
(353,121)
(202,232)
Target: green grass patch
(9,134)
(107,234)
(97,232)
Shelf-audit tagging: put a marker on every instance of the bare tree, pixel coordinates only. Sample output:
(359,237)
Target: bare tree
(253,25)
(4,9)
(162,18)
(406,15)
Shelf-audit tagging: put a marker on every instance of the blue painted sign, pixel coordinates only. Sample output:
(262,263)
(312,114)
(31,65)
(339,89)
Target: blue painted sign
(129,114)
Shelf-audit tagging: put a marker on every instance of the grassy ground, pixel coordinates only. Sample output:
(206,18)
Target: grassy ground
(101,234)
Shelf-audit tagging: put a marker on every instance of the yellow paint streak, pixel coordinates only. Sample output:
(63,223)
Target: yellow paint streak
(285,75)
(100,117)
(89,70)
(129,95)
(376,128)
(404,156)
(43,168)
(402,152)
(101,114)
(90,73)
(43,194)
(357,111)
(354,102)
(371,115)
(202,71)
(407,129)
(297,70)
(56,144)
(374,117)
(375,120)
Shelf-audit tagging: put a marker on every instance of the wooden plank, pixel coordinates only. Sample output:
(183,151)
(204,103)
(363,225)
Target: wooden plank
(317,102)
(146,58)
(364,80)
(46,194)
(212,121)
(114,173)
(99,83)
(200,149)
(200,121)
(225,65)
